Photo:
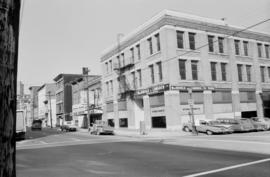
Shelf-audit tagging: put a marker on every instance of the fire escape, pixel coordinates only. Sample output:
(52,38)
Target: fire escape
(126,84)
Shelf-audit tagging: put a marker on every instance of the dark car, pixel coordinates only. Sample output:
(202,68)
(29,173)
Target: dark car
(68,128)
(36,125)
(238,125)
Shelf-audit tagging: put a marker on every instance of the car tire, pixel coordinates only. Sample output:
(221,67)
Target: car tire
(208,132)
(186,129)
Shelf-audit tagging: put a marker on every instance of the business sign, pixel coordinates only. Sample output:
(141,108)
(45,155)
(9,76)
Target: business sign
(185,109)
(154,89)
(158,111)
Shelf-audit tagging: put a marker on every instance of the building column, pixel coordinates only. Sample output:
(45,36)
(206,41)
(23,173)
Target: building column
(147,112)
(258,80)
(172,109)
(208,104)
(131,112)
(234,76)
(116,114)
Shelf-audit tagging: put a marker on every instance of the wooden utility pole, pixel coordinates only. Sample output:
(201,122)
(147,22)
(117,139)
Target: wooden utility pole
(9,37)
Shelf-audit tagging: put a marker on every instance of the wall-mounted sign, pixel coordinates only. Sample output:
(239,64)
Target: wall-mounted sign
(158,111)
(154,89)
(197,109)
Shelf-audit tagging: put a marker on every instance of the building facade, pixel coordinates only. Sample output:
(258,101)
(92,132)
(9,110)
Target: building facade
(175,61)
(33,104)
(63,94)
(47,104)
(79,96)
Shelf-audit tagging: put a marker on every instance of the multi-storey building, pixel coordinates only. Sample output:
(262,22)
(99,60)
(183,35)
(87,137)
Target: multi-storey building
(63,95)
(33,103)
(46,104)
(79,96)
(176,61)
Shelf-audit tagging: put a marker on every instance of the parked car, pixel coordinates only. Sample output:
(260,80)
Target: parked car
(101,127)
(264,122)
(209,127)
(36,125)
(248,125)
(237,125)
(68,128)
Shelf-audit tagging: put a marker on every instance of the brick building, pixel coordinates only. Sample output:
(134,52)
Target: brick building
(147,74)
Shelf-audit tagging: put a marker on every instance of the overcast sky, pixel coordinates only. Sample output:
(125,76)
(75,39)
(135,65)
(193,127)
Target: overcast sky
(61,36)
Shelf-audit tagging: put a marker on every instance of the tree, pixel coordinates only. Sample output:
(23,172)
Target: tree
(9,36)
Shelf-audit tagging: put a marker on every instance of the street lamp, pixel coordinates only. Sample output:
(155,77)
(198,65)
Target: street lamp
(191,102)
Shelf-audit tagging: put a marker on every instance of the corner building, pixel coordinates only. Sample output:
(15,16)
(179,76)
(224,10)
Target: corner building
(147,74)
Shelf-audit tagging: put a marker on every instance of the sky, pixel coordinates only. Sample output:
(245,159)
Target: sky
(62,36)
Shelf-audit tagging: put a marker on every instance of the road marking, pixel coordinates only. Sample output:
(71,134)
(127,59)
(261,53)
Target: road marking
(228,168)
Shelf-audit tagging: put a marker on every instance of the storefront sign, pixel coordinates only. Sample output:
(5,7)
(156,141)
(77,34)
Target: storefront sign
(158,111)
(154,89)
(197,109)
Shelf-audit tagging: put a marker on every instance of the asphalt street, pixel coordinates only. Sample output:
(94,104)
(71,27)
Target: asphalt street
(71,154)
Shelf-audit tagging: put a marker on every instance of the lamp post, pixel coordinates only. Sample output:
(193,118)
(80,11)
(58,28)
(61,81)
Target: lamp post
(49,94)
(191,102)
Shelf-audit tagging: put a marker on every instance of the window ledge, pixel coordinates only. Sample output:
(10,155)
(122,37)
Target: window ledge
(188,50)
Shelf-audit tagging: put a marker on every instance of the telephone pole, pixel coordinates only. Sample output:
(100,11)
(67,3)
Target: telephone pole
(9,41)
(85,74)
(49,95)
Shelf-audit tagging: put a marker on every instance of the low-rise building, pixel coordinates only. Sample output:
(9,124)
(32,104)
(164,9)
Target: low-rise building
(33,103)
(80,87)
(47,104)
(176,61)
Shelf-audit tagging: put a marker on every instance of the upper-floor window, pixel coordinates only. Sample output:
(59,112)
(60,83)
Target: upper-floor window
(133,80)
(158,41)
(194,69)
(139,77)
(239,69)
(123,59)
(191,37)
(211,43)
(262,73)
(182,69)
(110,63)
(213,71)
(259,49)
(132,55)
(107,67)
(111,82)
(268,68)
(107,88)
(150,45)
(237,47)
(180,39)
(152,73)
(159,71)
(138,51)
(245,45)
(266,50)
(118,61)
(223,71)
(248,70)
(221,44)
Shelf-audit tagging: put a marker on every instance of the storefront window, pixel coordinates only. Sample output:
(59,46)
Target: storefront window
(197,96)
(123,122)
(157,100)
(111,122)
(159,122)
(222,97)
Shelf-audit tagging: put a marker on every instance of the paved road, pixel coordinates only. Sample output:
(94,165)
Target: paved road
(73,154)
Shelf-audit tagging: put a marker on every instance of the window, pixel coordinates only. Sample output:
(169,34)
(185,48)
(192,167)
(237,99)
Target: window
(159,71)
(182,69)
(138,51)
(268,71)
(133,80)
(245,44)
(259,49)
(213,71)
(262,74)
(132,55)
(191,37)
(111,122)
(109,107)
(159,122)
(211,43)
(150,45)
(158,42)
(247,96)
(156,100)
(122,105)
(223,71)
(107,67)
(152,73)
(266,51)
(194,70)
(180,39)
(108,89)
(123,59)
(237,47)
(140,77)
(197,96)
(248,69)
(110,65)
(118,61)
(239,69)
(123,122)
(222,97)
(111,82)
(221,44)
